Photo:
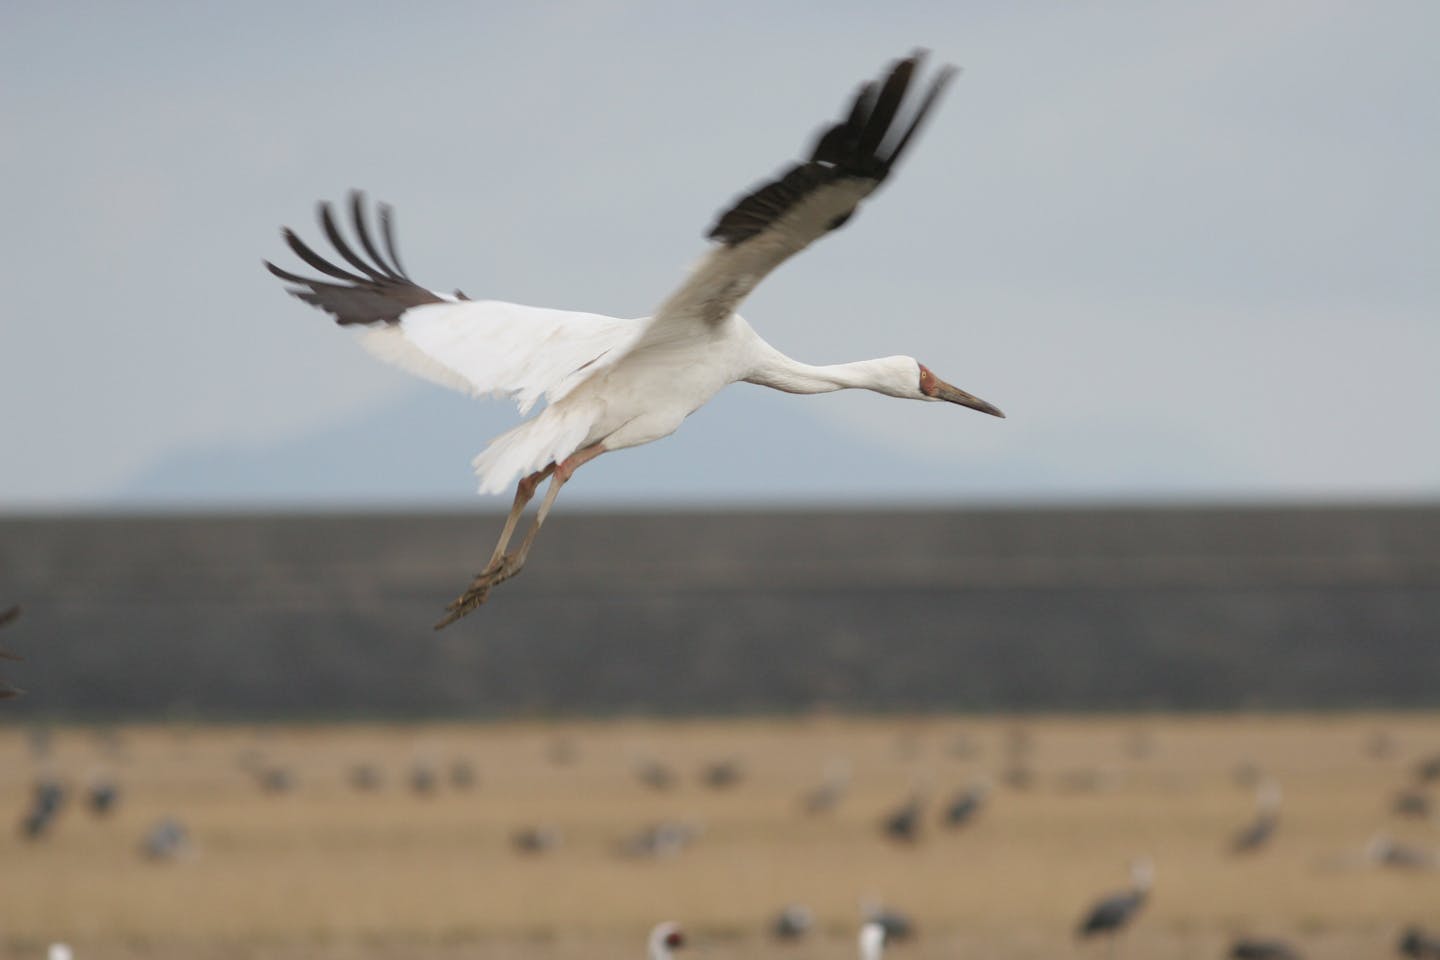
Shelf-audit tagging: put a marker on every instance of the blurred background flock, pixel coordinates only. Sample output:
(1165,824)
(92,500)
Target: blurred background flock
(1146,670)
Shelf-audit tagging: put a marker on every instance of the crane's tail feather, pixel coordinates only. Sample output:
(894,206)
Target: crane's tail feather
(533,445)
(379,293)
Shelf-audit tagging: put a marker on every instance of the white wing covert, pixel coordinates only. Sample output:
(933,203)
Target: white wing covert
(480,347)
(496,348)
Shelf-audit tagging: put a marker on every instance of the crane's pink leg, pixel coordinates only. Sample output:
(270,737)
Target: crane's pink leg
(504,565)
(563,473)
(524,493)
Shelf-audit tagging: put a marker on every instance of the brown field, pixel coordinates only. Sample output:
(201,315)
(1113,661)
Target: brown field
(327,872)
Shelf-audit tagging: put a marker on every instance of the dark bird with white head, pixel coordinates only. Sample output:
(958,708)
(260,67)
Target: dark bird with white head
(1112,914)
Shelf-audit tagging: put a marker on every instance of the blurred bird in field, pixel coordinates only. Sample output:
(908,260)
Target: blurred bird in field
(903,824)
(898,926)
(827,796)
(462,774)
(103,796)
(872,941)
(167,840)
(1251,948)
(8,617)
(1428,770)
(46,801)
(1412,802)
(655,775)
(665,939)
(722,774)
(1114,913)
(793,922)
(1383,850)
(966,804)
(1418,944)
(535,840)
(1259,831)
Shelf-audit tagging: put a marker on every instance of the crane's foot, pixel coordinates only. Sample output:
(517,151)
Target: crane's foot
(479,590)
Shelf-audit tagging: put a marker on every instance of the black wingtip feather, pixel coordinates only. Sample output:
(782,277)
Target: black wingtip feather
(887,104)
(337,240)
(362,228)
(387,220)
(865,145)
(381,295)
(937,87)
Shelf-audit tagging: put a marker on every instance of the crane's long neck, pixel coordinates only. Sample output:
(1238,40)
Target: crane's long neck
(774,369)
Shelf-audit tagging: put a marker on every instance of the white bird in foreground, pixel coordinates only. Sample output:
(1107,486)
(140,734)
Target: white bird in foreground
(872,941)
(611,383)
(665,939)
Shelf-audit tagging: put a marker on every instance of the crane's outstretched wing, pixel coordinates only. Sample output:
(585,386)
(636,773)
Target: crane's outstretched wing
(779,219)
(481,347)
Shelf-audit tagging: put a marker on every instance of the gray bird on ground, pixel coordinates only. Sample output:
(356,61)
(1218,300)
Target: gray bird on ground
(1111,915)
(103,797)
(535,840)
(966,804)
(1258,832)
(8,617)
(1416,943)
(655,775)
(898,926)
(1252,948)
(1384,851)
(793,922)
(903,823)
(167,840)
(827,796)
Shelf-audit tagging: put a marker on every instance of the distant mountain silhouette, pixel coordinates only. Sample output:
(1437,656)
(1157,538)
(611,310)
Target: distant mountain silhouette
(748,445)
(419,450)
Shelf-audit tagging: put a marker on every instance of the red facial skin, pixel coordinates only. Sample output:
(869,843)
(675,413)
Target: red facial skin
(927,381)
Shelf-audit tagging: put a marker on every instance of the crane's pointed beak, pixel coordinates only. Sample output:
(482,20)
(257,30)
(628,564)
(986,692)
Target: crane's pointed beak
(941,390)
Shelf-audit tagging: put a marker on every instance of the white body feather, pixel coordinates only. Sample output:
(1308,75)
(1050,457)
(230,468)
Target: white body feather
(604,378)
(598,384)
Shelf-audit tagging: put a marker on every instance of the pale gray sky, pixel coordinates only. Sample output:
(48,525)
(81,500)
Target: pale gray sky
(1190,249)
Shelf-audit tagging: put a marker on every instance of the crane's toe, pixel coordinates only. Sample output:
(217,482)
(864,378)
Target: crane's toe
(479,590)
(462,605)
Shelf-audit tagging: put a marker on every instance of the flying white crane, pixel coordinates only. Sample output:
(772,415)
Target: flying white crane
(611,383)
